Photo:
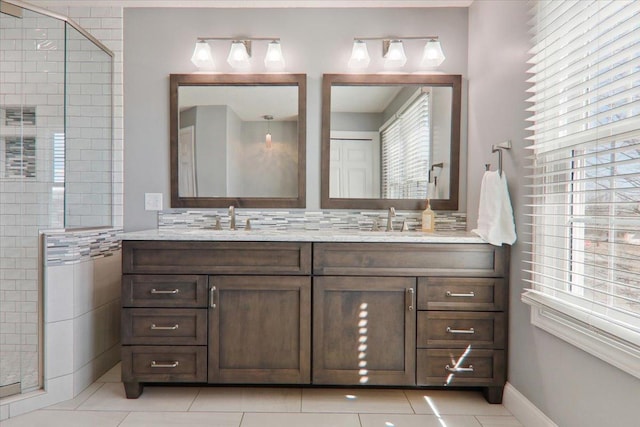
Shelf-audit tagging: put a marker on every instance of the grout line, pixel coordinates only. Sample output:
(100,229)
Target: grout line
(194,399)
(301,397)
(360,420)
(409,400)
(125,417)
(241,420)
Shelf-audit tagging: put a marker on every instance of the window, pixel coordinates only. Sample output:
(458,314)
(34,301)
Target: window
(585,203)
(406,143)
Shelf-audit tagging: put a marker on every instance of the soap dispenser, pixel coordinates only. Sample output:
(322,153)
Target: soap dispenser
(428,218)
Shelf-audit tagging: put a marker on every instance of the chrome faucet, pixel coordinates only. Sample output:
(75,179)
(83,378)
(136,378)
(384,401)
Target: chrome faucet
(390,215)
(232,217)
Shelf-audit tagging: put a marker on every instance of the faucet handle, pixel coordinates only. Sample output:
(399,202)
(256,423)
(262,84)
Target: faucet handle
(375,226)
(218,226)
(405,226)
(247,226)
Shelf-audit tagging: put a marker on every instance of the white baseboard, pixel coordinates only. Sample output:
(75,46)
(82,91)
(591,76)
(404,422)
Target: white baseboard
(526,412)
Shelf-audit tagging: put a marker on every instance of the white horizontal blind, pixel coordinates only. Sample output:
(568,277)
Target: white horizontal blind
(406,144)
(585,184)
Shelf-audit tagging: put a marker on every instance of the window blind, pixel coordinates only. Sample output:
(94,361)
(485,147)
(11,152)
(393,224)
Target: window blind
(585,174)
(406,143)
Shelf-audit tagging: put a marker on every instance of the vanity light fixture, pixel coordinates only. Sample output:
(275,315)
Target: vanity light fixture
(267,137)
(393,52)
(239,54)
(274,60)
(432,56)
(359,55)
(394,56)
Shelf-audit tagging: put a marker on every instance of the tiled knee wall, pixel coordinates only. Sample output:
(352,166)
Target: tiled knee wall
(82,276)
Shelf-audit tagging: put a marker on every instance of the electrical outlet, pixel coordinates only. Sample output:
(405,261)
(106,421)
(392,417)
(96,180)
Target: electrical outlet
(152,201)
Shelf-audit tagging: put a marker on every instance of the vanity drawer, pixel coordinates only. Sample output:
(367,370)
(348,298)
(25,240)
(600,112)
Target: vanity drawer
(164,364)
(169,290)
(461,293)
(197,257)
(149,326)
(408,259)
(477,367)
(460,329)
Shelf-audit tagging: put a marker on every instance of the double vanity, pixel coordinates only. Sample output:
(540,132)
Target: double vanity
(313,308)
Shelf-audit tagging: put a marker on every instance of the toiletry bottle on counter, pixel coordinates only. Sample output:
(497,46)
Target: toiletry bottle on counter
(428,219)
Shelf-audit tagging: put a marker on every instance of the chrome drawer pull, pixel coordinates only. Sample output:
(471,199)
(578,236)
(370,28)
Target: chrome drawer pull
(213,302)
(454,369)
(155,291)
(164,365)
(469,295)
(460,331)
(163,328)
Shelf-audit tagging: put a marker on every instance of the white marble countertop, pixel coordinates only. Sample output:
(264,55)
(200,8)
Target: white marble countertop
(303,236)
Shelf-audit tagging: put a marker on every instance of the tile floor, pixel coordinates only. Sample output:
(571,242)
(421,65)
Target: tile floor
(103,404)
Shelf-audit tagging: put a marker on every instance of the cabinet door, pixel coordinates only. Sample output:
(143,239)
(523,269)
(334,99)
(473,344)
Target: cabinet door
(259,329)
(364,330)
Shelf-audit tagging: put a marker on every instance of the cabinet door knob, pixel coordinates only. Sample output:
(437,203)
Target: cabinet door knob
(411,299)
(212,297)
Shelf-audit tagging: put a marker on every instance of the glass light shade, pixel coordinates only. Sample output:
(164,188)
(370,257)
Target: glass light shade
(201,57)
(432,55)
(267,139)
(395,56)
(359,55)
(274,60)
(238,55)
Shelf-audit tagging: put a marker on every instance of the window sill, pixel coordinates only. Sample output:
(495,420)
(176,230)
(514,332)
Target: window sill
(561,321)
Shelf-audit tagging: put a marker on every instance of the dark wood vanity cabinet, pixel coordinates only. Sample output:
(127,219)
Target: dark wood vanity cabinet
(364,330)
(218,312)
(382,314)
(260,330)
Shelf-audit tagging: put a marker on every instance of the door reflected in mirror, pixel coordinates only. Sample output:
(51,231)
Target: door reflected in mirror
(390,140)
(238,140)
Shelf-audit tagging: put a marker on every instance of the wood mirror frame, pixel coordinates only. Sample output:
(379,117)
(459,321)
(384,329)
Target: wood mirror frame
(178,80)
(445,80)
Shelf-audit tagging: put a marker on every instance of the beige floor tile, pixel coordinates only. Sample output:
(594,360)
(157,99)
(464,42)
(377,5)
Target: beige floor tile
(111,397)
(111,376)
(498,421)
(452,402)
(235,399)
(355,401)
(402,420)
(191,419)
(70,405)
(66,419)
(300,420)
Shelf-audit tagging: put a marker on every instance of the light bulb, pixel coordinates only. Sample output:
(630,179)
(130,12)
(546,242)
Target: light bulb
(267,140)
(201,57)
(395,56)
(359,55)
(274,60)
(432,56)
(238,55)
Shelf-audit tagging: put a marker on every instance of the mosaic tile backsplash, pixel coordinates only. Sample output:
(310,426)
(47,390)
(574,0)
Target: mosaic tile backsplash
(300,219)
(75,246)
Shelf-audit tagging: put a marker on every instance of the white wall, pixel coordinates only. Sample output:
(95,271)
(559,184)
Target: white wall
(570,386)
(314,41)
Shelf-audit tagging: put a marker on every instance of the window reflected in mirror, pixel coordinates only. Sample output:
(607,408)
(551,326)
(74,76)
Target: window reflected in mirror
(390,140)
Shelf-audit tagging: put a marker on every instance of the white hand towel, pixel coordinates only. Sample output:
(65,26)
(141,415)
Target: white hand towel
(495,214)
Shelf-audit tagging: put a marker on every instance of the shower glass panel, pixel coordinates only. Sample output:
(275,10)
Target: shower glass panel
(55,166)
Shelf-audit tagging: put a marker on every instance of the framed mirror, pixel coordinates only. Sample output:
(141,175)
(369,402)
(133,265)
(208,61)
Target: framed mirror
(390,140)
(238,139)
